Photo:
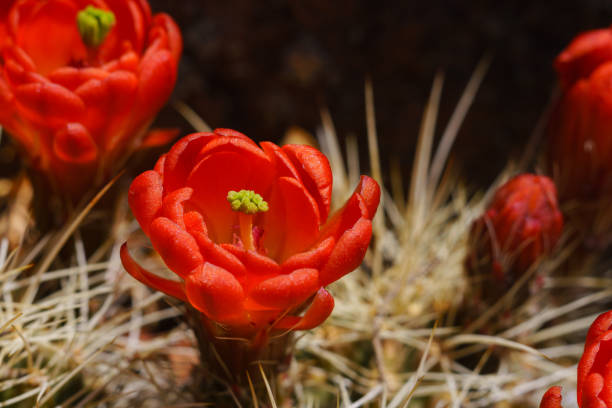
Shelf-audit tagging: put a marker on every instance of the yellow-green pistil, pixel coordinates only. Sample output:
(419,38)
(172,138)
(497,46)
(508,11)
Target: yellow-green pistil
(94,25)
(247,203)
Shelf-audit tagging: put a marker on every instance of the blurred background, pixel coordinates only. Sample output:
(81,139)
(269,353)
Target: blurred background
(263,66)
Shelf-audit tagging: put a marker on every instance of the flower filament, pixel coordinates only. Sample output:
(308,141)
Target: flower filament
(247,203)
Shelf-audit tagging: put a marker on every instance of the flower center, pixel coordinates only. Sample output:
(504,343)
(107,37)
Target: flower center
(94,25)
(247,203)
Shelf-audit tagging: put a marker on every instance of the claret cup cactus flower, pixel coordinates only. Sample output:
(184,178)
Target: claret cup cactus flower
(594,387)
(246,230)
(522,223)
(80,83)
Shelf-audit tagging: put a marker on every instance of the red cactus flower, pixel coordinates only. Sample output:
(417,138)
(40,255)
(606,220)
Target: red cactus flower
(594,387)
(246,230)
(81,81)
(521,224)
(580,127)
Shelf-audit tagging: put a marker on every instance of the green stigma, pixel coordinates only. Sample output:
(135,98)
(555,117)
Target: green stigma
(94,24)
(247,201)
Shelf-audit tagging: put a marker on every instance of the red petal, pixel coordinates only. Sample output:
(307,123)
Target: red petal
(552,398)
(48,34)
(132,20)
(583,55)
(286,291)
(45,101)
(348,252)
(145,198)
(169,287)
(259,266)
(175,42)
(157,77)
(233,133)
(172,205)
(17,73)
(606,393)
(315,258)
(591,388)
(321,307)
(73,144)
(600,326)
(109,105)
(194,223)
(211,180)
(284,166)
(215,292)
(369,190)
(261,171)
(12,52)
(315,173)
(181,159)
(362,204)
(71,78)
(159,137)
(218,255)
(291,225)
(177,248)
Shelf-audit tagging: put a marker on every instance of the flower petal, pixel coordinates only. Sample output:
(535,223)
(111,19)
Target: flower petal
(211,180)
(73,144)
(157,78)
(218,255)
(172,205)
(583,55)
(71,77)
(552,398)
(261,173)
(109,104)
(362,204)
(348,252)
(314,258)
(215,292)
(145,198)
(175,42)
(167,286)
(315,173)
(259,266)
(291,225)
(599,327)
(177,248)
(46,101)
(181,159)
(158,137)
(284,166)
(321,307)
(34,26)
(286,291)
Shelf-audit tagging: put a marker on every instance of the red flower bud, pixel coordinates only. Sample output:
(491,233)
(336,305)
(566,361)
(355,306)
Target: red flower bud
(594,387)
(246,230)
(521,224)
(580,126)
(79,84)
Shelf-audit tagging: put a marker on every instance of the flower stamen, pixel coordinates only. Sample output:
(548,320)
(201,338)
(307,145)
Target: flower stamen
(94,25)
(247,203)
